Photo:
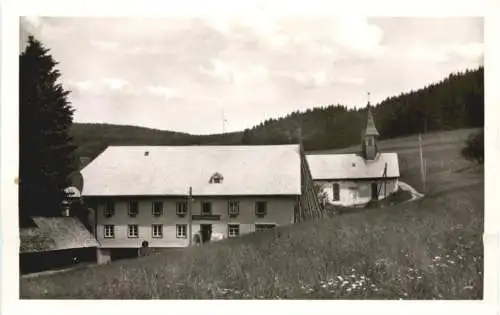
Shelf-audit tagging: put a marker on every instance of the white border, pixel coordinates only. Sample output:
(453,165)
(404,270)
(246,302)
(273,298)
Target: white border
(12,9)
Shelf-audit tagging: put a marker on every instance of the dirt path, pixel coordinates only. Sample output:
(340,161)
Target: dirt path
(414,193)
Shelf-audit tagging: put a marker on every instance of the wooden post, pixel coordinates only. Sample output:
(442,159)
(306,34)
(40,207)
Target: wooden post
(190,217)
(385,180)
(422,169)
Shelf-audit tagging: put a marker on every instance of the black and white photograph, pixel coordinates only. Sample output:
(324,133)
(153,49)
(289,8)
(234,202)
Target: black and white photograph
(251,157)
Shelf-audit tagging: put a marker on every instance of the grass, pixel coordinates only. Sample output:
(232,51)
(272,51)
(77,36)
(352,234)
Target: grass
(427,249)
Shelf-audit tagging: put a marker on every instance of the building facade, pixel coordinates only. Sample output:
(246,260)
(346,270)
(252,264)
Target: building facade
(164,221)
(173,197)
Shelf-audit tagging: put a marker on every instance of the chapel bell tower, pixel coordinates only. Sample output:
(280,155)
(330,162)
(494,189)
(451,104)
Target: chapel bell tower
(369,136)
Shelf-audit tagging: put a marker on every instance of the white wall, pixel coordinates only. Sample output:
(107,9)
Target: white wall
(280,211)
(354,193)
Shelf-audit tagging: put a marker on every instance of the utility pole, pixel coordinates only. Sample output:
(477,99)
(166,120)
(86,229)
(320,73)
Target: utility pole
(422,162)
(385,180)
(190,218)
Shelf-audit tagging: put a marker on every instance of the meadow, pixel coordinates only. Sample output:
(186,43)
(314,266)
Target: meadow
(426,249)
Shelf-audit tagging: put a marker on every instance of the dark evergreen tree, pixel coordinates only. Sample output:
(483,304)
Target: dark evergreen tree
(46,157)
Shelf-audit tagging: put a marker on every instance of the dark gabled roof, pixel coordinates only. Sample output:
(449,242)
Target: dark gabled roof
(55,233)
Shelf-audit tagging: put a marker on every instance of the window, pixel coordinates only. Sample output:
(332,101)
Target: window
(216,178)
(181,209)
(133,209)
(109,208)
(109,231)
(336,192)
(263,227)
(157,230)
(206,207)
(157,208)
(181,230)
(133,231)
(233,230)
(233,208)
(260,208)
(370,141)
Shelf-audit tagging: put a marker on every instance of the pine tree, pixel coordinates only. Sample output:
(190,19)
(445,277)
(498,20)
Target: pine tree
(45,115)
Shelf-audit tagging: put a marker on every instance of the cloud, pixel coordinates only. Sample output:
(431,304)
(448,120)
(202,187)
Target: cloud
(164,91)
(115,83)
(105,45)
(218,69)
(252,66)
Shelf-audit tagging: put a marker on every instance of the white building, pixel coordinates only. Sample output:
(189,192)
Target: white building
(355,179)
(163,196)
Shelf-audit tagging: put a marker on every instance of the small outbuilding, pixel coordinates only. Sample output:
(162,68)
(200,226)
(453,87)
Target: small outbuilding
(55,243)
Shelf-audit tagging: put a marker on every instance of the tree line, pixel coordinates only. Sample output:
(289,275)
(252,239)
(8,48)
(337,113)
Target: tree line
(453,103)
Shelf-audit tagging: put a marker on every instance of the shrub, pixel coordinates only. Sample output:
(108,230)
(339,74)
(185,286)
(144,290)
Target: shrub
(474,147)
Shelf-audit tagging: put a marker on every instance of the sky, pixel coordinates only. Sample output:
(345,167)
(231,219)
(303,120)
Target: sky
(206,75)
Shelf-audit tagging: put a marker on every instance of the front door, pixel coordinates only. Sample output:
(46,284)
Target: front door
(206,232)
(374,191)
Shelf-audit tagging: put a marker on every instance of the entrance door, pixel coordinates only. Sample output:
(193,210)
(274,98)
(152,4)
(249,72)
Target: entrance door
(374,191)
(206,232)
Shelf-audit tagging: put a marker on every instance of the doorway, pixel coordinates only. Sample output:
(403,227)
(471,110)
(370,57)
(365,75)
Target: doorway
(374,191)
(206,232)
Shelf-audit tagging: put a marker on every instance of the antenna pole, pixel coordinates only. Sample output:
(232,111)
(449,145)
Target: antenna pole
(224,120)
(422,162)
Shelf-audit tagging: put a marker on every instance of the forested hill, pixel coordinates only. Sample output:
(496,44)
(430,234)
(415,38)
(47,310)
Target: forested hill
(453,103)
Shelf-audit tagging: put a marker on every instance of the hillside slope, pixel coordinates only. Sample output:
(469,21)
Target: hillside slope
(455,102)
(428,249)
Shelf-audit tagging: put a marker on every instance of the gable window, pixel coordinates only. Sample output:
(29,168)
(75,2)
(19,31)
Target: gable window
(336,192)
(233,208)
(233,230)
(109,208)
(109,231)
(206,207)
(181,209)
(260,208)
(133,231)
(133,208)
(181,230)
(216,178)
(157,208)
(263,227)
(157,230)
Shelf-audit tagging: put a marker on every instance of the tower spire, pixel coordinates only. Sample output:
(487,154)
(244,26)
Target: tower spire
(369,135)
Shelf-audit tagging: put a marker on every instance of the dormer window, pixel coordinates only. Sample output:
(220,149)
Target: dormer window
(216,178)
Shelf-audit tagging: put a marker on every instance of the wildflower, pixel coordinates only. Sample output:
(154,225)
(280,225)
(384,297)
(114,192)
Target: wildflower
(437,258)
(340,278)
